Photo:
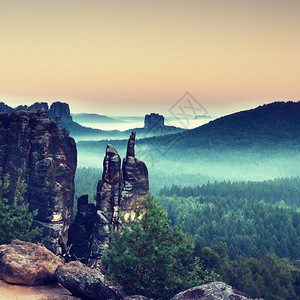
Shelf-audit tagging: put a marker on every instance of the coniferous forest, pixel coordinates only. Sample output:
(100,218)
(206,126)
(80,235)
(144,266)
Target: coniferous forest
(248,232)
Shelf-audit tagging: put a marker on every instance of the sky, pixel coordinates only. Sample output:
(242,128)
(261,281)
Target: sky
(129,57)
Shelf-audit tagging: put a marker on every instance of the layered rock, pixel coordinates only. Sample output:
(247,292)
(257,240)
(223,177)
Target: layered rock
(27,263)
(87,283)
(108,190)
(33,149)
(135,183)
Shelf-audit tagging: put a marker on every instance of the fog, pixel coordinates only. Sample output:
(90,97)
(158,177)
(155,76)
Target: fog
(189,167)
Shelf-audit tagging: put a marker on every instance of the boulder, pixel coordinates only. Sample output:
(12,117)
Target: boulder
(87,283)
(211,291)
(28,264)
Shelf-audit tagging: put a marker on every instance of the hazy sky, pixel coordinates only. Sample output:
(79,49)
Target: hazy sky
(136,56)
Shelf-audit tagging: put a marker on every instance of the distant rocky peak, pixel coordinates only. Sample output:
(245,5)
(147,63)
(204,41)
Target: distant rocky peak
(154,121)
(39,106)
(60,110)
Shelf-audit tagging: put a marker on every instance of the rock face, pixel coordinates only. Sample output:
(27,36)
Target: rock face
(154,121)
(80,231)
(87,283)
(135,183)
(27,263)
(116,190)
(33,149)
(211,291)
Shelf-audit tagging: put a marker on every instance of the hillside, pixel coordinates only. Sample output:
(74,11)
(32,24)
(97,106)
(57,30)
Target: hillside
(258,144)
(93,118)
(270,124)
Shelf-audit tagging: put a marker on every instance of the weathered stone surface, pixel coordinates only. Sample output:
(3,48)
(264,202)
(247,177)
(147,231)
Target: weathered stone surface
(52,291)
(27,263)
(154,121)
(87,283)
(33,149)
(211,291)
(135,183)
(116,190)
(108,190)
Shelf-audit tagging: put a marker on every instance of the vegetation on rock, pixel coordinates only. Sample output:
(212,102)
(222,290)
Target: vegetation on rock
(15,219)
(150,257)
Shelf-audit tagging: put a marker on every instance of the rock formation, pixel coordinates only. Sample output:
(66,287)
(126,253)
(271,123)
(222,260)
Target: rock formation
(87,283)
(33,149)
(116,190)
(154,121)
(135,184)
(62,111)
(27,263)
(211,291)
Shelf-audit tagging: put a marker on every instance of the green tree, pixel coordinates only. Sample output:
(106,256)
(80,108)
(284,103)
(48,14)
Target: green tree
(151,258)
(15,219)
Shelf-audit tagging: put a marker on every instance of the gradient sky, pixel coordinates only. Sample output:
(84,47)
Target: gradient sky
(137,56)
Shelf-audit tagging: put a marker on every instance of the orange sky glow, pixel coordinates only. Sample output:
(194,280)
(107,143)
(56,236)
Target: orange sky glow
(137,56)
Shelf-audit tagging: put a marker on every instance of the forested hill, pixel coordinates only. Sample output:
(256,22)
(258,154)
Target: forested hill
(278,121)
(269,124)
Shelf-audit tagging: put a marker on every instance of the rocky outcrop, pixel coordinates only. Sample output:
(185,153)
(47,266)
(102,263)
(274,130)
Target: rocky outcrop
(116,190)
(27,263)
(87,283)
(211,291)
(108,190)
(154,121)
(61,111)
(135,183)
(32,148)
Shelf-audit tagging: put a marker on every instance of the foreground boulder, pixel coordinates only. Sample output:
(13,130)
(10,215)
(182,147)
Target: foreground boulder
(211,291)
(87,283)
(27,263)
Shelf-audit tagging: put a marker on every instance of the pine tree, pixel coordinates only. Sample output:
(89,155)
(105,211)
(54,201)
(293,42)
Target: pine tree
(151,258)
(15,219)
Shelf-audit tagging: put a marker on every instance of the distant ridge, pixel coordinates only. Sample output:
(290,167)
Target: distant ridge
(93,118)
(267,125)
(60,112)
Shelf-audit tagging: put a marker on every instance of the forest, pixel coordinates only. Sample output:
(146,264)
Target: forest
(247,231)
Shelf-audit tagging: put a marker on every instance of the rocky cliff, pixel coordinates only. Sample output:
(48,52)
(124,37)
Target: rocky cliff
(119,188)
(33,149)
